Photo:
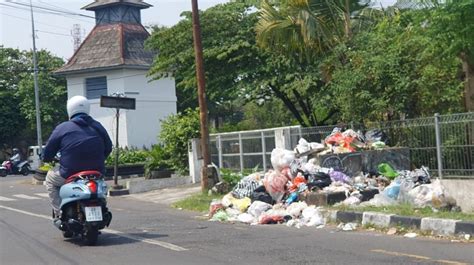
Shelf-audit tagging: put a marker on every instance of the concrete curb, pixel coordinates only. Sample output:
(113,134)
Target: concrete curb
(141,185)
(118,192)
(436,225)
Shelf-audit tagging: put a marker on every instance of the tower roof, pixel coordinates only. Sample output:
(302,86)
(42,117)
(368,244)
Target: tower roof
(103,3)
(111,46)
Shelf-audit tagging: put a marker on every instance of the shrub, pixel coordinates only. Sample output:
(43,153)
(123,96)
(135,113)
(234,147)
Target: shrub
(127,156)
(175,133)
(157,160)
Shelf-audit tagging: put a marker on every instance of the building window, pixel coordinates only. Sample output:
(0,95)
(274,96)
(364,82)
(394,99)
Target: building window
(96,87)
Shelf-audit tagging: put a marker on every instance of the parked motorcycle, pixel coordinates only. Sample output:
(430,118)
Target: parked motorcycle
(7,168)
(83,206)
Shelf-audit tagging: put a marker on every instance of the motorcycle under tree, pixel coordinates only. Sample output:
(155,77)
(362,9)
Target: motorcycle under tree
(84,206)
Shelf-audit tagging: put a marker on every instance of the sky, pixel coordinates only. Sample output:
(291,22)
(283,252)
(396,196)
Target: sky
(15,24)
(54,31)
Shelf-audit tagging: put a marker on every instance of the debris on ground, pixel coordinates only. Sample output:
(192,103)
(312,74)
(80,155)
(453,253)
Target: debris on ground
(347,227)
(392,231)
(411,235)
(467,237)
(276,196)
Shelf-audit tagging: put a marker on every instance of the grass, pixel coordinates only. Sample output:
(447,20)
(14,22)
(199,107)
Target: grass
(408,210)
(198,202)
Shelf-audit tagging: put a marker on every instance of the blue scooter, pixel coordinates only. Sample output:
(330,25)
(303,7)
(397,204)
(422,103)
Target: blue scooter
(84,206)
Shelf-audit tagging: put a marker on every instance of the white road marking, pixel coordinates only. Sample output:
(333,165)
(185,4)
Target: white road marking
(24,196)
(44,194)
(110,231)
(145,240)
(5,199)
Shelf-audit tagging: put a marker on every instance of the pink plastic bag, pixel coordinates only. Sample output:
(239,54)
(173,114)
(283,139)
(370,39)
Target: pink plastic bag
(275,184)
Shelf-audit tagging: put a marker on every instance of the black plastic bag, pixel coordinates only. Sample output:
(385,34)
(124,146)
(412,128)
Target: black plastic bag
(260,194)
(376,135)
(318,180)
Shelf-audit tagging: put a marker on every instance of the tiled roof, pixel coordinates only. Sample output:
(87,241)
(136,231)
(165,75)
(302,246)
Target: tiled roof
(111,45)
(102,3)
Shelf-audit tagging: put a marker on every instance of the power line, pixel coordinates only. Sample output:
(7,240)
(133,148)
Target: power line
(26,9)
(53,10)
(54,33)
(60,8)
(36,21)
(58,13)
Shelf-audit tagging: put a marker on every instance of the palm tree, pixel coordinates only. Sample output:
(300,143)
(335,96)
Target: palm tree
(301,27)
(306,27)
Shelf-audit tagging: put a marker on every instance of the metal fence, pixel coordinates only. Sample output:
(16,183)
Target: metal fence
(444,143)
(244,149)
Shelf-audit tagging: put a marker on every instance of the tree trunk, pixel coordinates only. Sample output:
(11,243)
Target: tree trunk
(289,104)
(469,103)
(347,20)
(468,85)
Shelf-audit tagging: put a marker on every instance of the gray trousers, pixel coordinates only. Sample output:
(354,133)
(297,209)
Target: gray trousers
(53,183)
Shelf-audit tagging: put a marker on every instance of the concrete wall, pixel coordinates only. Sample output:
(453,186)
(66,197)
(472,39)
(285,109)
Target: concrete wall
(462,190)
(155,100)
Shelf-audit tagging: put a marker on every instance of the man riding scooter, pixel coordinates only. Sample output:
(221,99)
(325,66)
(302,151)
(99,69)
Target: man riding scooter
(16,157)
(83,144)
(14,165)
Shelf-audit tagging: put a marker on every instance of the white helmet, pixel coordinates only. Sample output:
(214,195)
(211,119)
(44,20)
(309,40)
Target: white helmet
(77,104)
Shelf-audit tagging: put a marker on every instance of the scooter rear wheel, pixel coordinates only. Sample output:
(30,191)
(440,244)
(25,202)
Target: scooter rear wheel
(25,170)
(91,235)
(68,234)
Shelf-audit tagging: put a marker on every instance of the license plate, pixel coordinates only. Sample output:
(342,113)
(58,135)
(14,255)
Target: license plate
(93,214)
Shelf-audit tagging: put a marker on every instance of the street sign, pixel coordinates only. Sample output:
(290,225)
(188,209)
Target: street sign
(117,102)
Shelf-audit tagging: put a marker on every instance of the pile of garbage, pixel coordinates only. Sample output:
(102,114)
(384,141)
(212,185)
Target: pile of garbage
(339,142)
(274,196)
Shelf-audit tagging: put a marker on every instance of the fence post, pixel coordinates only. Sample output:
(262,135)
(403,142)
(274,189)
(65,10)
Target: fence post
(438,146)
(219,150)
(264,150)
(241,153)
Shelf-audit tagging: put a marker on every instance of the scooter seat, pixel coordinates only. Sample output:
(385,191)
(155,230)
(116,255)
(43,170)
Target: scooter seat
(94,173)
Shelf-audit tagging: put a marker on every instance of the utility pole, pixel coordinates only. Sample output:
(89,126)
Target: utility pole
(201,84)
(37,102)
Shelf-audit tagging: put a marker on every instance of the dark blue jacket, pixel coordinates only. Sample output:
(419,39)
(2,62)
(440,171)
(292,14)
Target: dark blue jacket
(83,143)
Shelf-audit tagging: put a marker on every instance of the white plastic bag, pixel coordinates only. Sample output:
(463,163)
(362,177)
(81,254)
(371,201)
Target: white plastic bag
(433,195)
(379,200)
(303,146)
(246,218)
(296,208)
(258,207)
(281,158)
(311,216)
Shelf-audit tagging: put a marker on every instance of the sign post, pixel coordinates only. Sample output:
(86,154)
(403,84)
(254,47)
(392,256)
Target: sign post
(118,102)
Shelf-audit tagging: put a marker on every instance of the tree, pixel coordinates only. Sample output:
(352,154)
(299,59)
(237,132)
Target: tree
(394,71)
(53,93)
(299,34)
(452,23)
(227,36)
(10,116)
(237,70)
(17,114)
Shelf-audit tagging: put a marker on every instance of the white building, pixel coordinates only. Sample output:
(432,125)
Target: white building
(112,59)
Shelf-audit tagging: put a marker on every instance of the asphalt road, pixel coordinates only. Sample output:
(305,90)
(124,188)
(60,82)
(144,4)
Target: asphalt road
(150,233)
